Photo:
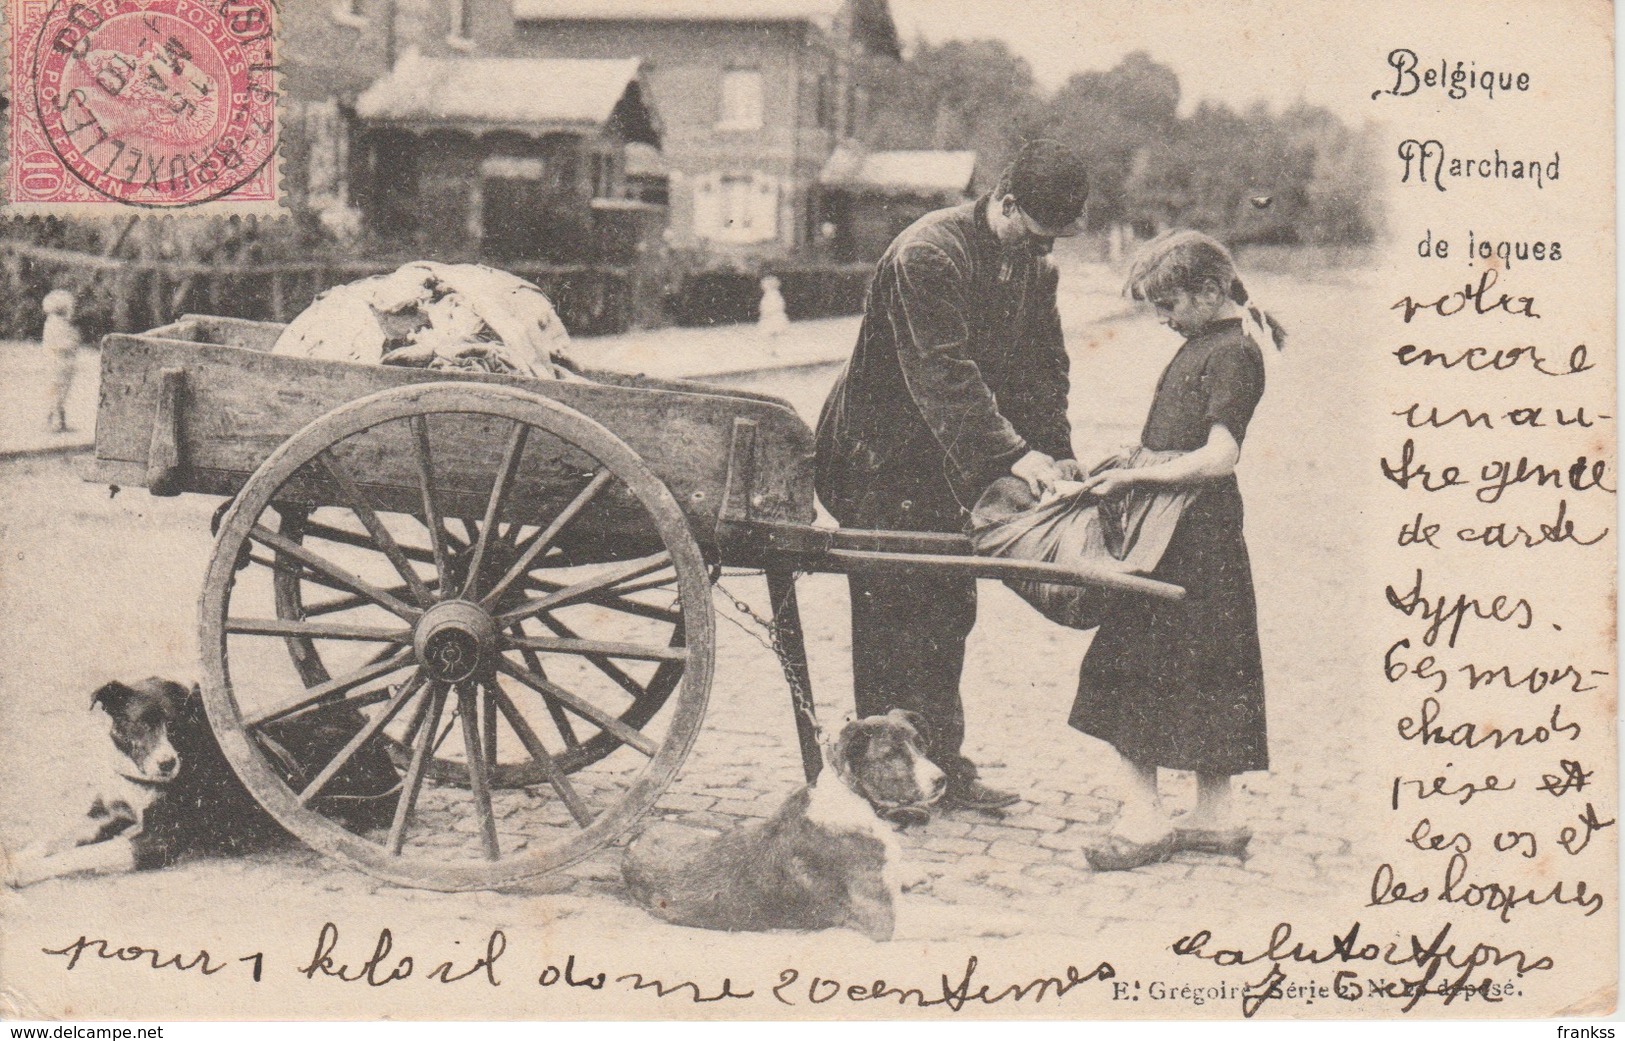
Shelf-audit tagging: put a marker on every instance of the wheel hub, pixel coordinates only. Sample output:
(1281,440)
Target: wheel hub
(455,640)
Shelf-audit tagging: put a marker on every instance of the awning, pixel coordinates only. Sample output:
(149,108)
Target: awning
(920,172)
(529,95)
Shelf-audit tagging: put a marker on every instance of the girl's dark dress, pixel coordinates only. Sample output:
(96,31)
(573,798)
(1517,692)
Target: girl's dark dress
(1181,684)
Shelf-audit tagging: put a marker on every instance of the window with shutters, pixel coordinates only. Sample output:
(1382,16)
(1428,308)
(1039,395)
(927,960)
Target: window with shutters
(736,208)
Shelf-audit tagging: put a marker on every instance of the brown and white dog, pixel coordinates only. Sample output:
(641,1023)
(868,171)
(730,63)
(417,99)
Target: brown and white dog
(823,861)
(168,789)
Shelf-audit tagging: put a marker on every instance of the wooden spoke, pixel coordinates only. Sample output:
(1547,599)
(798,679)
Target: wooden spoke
(639,587)
(599,648)
(315,630)
(445,731)
(423,726)
(544,760)
(488,732)
(501,485)
(607,667)
(604,720)
(431,506)
(333,688)
(328,533)
(539,542)
(348,603)
(357,501)
(613,602)
(365,734)
(554,709)
(354,583)
(579,591)
(479,774)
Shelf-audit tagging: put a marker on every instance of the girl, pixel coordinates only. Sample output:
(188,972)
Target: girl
(1180,684)
(62,340)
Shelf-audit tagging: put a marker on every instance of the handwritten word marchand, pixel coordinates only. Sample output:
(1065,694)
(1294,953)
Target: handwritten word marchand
(1432,957)
(1499,898)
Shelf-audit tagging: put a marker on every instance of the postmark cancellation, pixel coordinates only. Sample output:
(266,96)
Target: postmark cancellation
(161,105)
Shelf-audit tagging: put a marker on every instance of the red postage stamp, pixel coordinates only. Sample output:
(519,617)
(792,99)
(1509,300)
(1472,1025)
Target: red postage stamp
(147,103)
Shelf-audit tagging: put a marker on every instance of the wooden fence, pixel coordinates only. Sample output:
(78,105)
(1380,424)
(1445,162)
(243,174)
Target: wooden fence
(119,295)
(116,295)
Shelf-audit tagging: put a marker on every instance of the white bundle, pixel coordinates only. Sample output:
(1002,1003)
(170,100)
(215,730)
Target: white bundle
(439,316)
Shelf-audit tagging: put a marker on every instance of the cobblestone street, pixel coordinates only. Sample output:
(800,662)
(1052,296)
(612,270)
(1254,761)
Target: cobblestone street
(121,573)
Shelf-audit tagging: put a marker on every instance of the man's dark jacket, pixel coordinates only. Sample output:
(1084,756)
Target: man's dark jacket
(959,370)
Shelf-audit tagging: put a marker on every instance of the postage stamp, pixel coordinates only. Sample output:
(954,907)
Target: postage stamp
(160,104)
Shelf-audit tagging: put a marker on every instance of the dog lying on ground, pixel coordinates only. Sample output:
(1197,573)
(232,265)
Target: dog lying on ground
(169,790)
(824,860)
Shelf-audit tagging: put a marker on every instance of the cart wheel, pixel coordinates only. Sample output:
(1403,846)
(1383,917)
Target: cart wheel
(541,645)
(296,587)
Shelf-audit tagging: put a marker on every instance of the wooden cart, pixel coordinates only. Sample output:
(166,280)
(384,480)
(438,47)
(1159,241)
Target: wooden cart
(406,553)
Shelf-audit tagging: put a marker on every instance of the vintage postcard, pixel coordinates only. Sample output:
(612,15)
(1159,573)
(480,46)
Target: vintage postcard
(808,509)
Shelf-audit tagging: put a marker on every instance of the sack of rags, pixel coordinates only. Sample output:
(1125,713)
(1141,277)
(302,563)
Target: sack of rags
(460,317)
(1129,532)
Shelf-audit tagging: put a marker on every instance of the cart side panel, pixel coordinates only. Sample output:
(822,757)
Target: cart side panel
(237,406)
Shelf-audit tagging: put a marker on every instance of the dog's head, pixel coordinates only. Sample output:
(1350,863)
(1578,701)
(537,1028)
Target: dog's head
(880,758)
(140,721)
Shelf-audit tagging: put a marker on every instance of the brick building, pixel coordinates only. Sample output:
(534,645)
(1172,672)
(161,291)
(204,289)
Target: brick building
(753,96)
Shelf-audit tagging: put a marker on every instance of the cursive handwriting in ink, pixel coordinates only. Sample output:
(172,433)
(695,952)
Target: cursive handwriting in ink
(1477,297)
(1440,612)
(134,954)
(1431,956)
(378,970)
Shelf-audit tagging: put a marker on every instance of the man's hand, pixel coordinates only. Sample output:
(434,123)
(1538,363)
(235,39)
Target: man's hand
(1111,482)
(1071,470)
(1038,470)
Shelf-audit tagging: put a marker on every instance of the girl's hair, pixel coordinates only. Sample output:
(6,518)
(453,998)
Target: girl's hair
(1188,260)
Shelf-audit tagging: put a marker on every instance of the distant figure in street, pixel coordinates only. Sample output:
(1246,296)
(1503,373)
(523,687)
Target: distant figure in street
(62,340)
(770,317)
(1180,684)
(959,378)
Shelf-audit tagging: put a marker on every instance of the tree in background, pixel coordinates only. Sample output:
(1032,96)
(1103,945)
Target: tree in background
(1296,176)
(962,95)
(1111,117)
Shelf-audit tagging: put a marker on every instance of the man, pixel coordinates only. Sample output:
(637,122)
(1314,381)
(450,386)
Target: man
(959,377)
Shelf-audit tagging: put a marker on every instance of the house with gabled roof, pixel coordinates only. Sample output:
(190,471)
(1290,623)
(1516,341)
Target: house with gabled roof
(868,197)
(754,95)
(524,157)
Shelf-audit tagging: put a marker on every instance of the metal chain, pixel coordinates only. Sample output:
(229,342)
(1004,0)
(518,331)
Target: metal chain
(799,695)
